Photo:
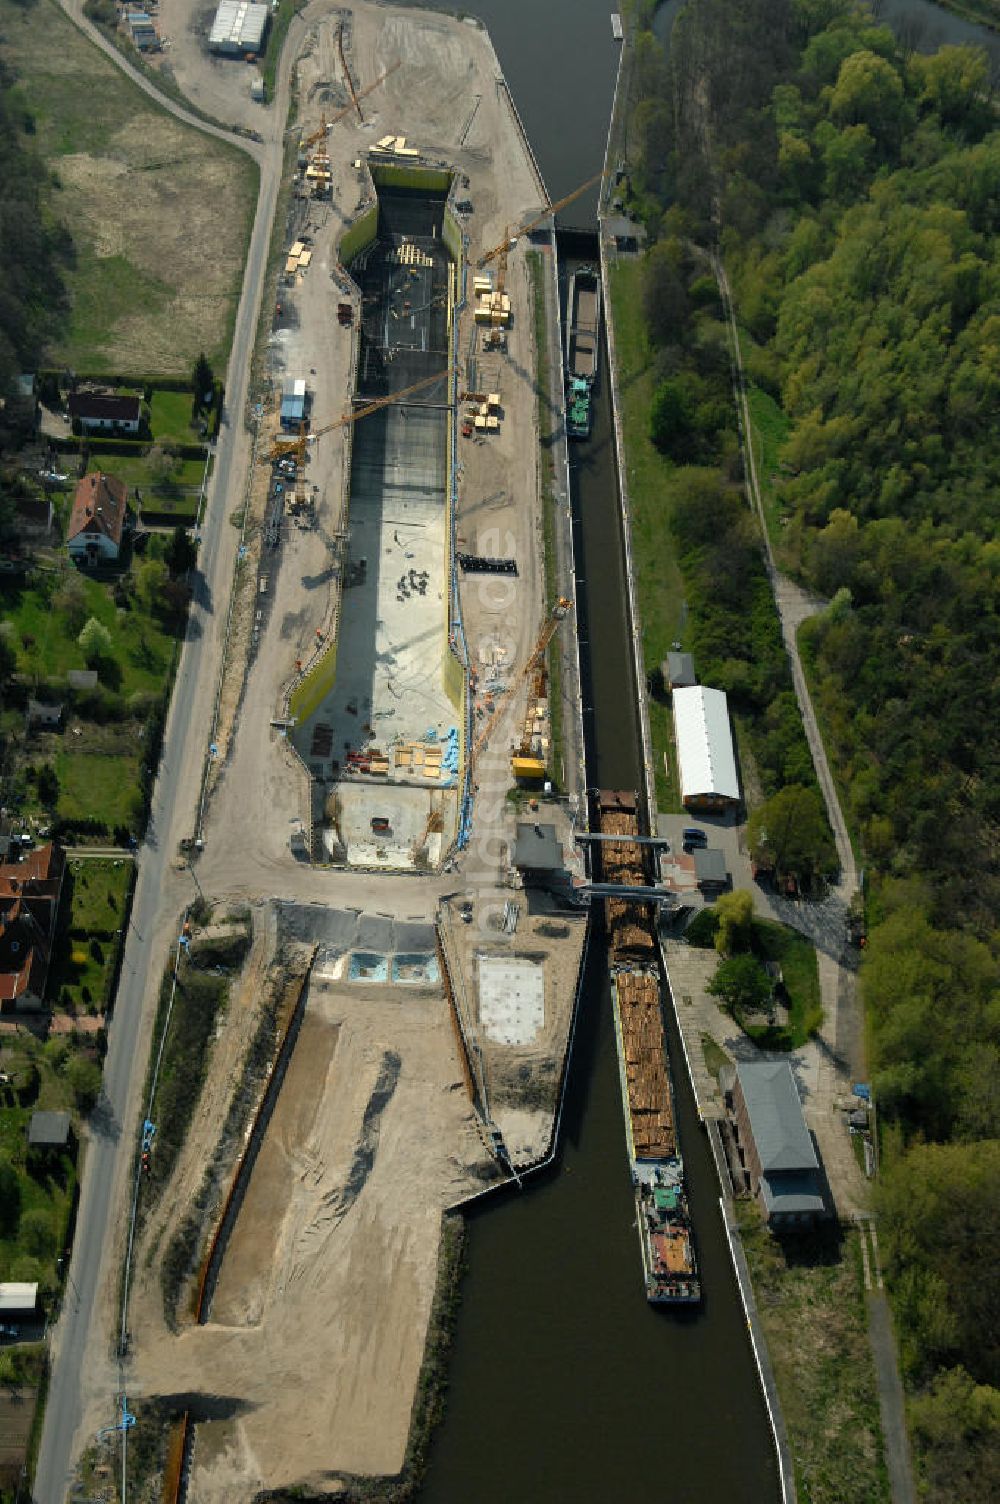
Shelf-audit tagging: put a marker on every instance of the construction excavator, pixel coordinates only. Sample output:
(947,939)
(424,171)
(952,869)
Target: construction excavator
(283,449)
(556,616)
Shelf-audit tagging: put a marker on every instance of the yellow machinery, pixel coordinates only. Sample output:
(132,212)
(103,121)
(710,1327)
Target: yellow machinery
(494,307)
(325,126)
(283,449)
(317,135)
(558,614)
(526,763)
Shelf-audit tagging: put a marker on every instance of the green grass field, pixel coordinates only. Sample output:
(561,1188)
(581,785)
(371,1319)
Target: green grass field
(811,1302)
(797,958)
(158,212)
(658,580)
(170,418)
(87,941)
(177,494)
(99,785)
(770,430)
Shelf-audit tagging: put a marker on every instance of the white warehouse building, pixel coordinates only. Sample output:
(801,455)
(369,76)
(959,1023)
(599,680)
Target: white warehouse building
(238,28)
(704,742)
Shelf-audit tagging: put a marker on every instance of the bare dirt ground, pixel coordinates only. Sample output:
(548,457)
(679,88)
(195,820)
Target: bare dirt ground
(319,1318)
(158,214)
(218,85)
(321,1311)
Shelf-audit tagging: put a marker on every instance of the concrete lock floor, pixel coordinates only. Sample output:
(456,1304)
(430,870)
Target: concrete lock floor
(393,633)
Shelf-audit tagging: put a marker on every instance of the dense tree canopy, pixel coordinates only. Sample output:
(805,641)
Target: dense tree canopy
(852,185)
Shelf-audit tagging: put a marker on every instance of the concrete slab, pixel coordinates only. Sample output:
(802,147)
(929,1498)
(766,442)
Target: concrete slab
(511,998)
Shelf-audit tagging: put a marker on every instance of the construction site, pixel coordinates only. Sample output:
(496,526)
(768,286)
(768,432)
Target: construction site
(384,690)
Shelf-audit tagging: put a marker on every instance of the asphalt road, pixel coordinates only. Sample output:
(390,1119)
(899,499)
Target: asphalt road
(80,1344)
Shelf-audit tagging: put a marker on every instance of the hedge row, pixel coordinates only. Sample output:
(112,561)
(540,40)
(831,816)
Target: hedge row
(137,447)
(182,513)
(105,378)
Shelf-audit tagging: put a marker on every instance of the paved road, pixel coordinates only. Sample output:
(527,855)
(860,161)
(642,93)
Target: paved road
(74,10)
(80,1347)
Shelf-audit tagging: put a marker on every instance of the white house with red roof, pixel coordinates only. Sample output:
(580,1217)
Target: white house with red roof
(97,521)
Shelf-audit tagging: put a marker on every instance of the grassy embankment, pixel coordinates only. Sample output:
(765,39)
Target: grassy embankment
(810,1296)
(546,429)
(159,214)
(659,584)
(275,42)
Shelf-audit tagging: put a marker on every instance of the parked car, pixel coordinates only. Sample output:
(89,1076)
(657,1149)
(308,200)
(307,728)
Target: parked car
(693,837)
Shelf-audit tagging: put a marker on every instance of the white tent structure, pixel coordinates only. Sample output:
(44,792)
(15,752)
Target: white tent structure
(704,743)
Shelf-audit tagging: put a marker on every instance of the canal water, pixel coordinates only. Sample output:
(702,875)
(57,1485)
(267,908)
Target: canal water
(564,1384)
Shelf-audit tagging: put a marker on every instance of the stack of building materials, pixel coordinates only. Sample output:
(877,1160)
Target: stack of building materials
(394,146)
(493,308)
(628,923)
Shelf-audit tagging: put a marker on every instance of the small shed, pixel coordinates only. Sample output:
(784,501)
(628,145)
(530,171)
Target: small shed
(710,867)
(40,714)
(81,678)
(18,1300)
(49,1131)
(678,670)
(294,401)
(538,850)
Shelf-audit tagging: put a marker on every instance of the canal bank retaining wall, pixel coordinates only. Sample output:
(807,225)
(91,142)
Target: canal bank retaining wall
(758,1342)
(571,688)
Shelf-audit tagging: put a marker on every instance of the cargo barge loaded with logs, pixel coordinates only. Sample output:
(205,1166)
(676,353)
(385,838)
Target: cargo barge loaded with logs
(669,1265)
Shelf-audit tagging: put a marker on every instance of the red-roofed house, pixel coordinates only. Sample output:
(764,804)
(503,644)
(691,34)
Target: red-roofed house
(99,411)
(97,521)
(29,904)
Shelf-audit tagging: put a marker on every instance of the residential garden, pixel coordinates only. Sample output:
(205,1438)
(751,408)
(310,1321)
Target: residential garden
(103,649)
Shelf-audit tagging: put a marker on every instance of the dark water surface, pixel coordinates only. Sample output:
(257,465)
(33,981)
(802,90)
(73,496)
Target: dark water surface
(565,1385)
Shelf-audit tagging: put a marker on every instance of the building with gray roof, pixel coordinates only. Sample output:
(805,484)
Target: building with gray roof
(775,1145)
(678,670)
(238,29)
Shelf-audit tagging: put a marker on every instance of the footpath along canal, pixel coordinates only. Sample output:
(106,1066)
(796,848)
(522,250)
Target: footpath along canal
(564,1384)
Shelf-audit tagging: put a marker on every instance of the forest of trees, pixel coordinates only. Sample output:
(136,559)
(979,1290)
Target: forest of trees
(852,185)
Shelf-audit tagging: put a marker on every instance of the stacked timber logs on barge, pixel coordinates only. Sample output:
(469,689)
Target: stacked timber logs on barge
(649,1096)
(670,1269)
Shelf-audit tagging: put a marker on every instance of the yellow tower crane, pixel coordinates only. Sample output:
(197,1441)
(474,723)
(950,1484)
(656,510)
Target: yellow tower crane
(499,253)
(286,448)
(556,616)
(325,125)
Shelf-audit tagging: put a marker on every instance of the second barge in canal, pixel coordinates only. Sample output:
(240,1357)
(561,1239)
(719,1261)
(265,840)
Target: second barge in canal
(583,322)
(666,1239)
